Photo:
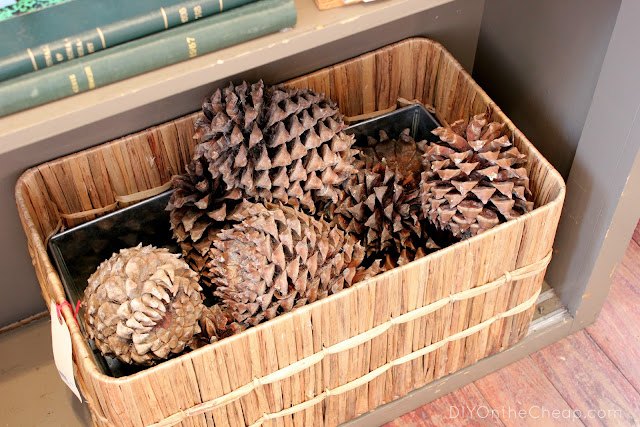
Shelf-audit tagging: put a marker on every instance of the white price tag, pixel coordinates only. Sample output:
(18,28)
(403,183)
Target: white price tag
(61,341)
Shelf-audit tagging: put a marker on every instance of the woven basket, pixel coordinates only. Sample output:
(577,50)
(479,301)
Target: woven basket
(342,356)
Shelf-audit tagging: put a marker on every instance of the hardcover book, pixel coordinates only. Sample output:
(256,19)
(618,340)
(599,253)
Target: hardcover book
(148,53)
(78,28)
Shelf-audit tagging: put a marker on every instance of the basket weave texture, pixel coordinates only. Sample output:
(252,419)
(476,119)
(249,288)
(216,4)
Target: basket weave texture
(340,357)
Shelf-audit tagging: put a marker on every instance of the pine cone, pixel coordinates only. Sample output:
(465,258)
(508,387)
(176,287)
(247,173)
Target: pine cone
(274,259)
(218,323)
(381,204)
(199,207)
(276,143)
(261,144)
(142,305)
(475,180)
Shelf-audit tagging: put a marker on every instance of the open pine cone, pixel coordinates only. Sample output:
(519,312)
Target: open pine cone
(381,203)
(276,143)
(475,178)
(273,259)
(142,305)
(199,208)
(265,144)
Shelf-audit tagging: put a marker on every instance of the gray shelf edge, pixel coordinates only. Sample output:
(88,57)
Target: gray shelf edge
(314,29)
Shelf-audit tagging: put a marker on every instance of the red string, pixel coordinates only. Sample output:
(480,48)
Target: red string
(66,303)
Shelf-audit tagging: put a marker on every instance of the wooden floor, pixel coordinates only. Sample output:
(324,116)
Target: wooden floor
(589,378)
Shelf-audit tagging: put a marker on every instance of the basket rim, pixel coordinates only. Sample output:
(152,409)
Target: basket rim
(82,353)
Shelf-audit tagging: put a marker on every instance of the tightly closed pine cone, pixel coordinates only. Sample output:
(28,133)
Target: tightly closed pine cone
(274,259)
(265,144)
(142,305)
(476,178)
(381,203)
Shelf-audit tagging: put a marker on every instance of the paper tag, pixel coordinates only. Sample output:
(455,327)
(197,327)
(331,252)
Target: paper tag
(61,342)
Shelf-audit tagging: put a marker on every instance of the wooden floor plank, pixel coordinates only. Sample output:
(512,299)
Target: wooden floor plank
(636,234)
(617,329)
(521,393)
(589,382)
(463,407)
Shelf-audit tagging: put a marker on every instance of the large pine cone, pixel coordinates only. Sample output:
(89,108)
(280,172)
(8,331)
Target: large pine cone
(274,259)
(142,305)
(476,178)
(381,204)
(262,144)
(276,143)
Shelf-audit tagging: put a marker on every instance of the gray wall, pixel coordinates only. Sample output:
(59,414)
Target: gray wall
(540,62)
(454,24)
(544,63)
(603,189)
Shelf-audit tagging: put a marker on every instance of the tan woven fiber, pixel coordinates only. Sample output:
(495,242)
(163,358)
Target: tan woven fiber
(381,370)
(129,198)
(357,340)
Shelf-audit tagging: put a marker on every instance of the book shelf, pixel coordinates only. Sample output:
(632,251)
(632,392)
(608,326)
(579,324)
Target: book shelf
(591,246)
(184,83)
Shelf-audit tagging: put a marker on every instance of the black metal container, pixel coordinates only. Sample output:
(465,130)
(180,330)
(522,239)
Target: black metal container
(415,117)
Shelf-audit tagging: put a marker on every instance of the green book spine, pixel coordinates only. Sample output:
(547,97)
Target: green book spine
(84,27)
(146,54)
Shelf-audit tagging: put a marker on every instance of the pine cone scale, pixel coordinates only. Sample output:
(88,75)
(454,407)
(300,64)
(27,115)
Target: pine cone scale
(468,191)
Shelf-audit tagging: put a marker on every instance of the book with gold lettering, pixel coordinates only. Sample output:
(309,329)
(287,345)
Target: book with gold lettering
(73,29)
(148,53)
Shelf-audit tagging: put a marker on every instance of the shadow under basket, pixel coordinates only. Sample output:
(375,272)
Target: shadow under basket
(340,357)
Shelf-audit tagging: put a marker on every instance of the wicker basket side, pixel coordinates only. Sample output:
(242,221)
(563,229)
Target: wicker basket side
(347,364)
(77,188)
(40,219)
(340,357)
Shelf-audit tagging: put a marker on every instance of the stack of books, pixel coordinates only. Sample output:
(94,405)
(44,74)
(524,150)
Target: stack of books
(78,45)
